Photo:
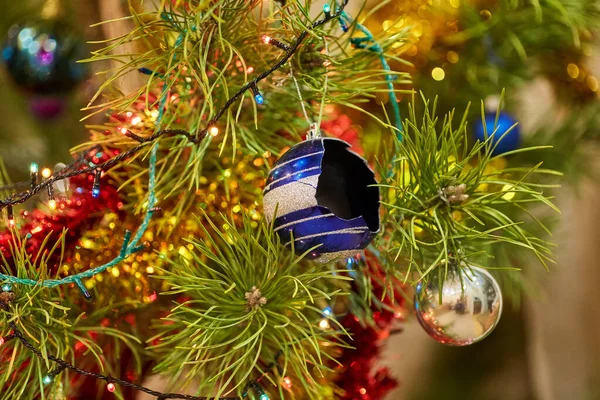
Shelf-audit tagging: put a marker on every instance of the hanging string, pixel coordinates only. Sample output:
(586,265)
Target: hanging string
(325,84)
(300,96)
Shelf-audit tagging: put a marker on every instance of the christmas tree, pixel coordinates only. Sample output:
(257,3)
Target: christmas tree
(264,184)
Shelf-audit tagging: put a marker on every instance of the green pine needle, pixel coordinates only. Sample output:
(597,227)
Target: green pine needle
(216,330)
(52,320)
(448,203)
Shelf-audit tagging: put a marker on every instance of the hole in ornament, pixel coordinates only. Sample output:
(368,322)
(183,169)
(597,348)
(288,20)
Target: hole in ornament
(344,185)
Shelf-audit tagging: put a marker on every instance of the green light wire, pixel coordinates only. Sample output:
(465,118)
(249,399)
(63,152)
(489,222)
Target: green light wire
(368,42)
(129,246)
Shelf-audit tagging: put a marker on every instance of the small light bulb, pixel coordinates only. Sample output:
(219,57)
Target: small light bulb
(7,287)
(10,216)
(123,130)
(110,387)
(263,396)
(266,39)
(46,172)
(324,324)
(136,120)
(327,311)
(52,204)
(214,131)
(326,8)
(47,380)
(33,168)
(287,382)
(96,184)
(259,99)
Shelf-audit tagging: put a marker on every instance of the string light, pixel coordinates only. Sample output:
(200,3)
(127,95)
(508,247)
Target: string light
(214,131)
(46,173)
(111,387)
(327,311)
(154,114)
(257,96)
(33,174)
(287,382)
(7,287)
(52,374)
(145,71)
(324,324)
(11,217)
(343,26)
(96,184)
(274,42)
(83,289)
(131,135)
(327,10)
(51,200)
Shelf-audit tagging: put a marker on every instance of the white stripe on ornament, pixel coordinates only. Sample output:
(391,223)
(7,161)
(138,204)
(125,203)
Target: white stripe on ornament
(289,175)
(346,231)
(295,159)
(294,196)
(304,220)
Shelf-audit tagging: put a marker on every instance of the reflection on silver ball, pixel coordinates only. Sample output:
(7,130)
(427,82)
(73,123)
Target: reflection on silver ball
(468,312)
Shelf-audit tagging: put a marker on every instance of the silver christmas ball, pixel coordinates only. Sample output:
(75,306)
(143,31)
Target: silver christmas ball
(470,307)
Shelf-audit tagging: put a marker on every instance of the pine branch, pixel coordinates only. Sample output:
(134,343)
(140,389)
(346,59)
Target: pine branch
(63,365)
(248,299)
(49,318)
(192,138)
(446,204)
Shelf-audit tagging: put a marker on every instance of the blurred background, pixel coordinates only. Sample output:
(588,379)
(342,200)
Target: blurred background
(547,345)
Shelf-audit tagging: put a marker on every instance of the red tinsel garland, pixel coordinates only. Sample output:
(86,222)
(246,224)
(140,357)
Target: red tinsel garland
(358,380)
(76,213)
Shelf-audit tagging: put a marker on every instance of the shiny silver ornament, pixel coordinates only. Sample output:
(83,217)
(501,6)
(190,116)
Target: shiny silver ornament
(470,308)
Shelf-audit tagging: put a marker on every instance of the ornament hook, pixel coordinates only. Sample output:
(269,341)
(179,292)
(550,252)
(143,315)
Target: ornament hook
(314,132)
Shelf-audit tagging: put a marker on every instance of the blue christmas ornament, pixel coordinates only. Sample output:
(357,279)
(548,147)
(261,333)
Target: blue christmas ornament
(322,194)
(42,57)
(509,142)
